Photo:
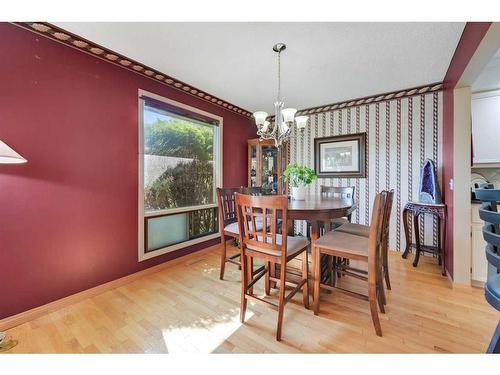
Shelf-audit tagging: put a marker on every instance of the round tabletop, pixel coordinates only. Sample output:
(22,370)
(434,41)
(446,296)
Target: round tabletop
(320,208)
(317,208)
(318,202)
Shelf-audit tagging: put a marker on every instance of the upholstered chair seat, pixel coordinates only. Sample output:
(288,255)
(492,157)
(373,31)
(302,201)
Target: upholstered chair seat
(356,229)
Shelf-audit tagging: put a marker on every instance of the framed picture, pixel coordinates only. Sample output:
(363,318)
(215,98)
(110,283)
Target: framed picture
(340,156)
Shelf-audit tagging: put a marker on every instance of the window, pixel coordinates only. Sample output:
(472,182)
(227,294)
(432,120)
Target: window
(179,170)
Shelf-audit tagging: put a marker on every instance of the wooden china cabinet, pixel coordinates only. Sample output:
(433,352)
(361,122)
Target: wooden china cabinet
(265,165)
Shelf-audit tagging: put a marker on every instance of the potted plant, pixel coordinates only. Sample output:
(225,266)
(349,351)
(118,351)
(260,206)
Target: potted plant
(299,177)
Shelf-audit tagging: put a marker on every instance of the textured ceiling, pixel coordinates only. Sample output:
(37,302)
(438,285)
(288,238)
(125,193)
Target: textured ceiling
(323,63)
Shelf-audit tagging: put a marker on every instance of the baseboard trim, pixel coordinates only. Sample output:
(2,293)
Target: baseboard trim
(29,315)
(477,284)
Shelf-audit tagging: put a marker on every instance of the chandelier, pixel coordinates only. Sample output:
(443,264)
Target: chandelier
(284,118)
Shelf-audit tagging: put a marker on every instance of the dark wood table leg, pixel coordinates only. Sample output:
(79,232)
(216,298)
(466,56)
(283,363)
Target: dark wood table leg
(442,242)
(440,255)
(405,218)
(291,226)
(417,239)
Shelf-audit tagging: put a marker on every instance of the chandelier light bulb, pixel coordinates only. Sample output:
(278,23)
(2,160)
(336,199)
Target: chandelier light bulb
(288,114)
(301,121)
(260,117)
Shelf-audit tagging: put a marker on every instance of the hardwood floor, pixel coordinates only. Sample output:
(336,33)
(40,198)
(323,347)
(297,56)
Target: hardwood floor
(186,308)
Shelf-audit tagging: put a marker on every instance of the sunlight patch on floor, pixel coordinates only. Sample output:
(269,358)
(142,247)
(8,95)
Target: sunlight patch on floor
(201,339)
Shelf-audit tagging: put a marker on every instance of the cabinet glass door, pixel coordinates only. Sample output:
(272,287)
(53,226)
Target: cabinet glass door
(253,165)
(270,168)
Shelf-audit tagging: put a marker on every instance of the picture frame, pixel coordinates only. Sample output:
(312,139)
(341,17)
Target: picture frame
(340,156)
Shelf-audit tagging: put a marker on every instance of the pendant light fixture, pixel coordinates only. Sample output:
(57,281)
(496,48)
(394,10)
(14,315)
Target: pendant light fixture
(284,118)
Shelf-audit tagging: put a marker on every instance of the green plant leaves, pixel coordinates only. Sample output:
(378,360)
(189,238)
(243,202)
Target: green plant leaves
(299,175)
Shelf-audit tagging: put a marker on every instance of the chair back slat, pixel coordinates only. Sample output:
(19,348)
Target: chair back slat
(258,221)
(487,194)
(493,256)
(488,214)
(337,191)
(227,205)
(387,214)
(375,236)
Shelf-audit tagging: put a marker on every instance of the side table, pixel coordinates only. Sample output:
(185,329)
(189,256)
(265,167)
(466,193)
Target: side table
(416,209)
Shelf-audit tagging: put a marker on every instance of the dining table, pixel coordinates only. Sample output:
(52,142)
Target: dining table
(317,209)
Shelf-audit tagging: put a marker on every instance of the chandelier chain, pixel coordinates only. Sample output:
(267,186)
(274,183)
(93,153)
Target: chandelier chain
(279,76)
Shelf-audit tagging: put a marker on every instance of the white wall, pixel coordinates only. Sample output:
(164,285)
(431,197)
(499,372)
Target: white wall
(461,191)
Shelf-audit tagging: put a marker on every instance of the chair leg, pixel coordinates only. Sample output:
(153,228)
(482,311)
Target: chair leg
(316,279)
(382,292)
(339,263)
(385,261)
(244,283)
(267,281)
(386,276)
(494,347)
(250,272)
(381,298)
(223,257)
(272,272)
(281,304)
(372,298)
(382,301)
(380,286)
(305,288)
(331,264)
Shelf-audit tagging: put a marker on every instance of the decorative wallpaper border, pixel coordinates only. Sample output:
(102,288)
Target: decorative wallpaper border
(65,37)
(393,95)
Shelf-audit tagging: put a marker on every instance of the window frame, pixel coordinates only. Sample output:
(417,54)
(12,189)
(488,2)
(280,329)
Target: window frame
(142,215)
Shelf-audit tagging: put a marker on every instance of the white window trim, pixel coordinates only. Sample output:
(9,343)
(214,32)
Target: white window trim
(142,255)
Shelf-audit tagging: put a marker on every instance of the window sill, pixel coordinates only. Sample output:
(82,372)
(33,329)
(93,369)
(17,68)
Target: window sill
(145,256)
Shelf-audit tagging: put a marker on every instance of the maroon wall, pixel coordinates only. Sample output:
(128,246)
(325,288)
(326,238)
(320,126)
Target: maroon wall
(69,216)
(469,41)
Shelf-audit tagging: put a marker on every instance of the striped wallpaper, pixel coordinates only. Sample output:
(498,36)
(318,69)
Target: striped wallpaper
(401,133)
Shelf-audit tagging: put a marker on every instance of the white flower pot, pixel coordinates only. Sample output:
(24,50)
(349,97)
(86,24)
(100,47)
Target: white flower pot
(299,193)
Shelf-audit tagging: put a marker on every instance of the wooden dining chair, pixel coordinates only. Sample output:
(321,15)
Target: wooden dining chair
(338,192)
(346,192)
(358,248)
(228,221)
(271,244)
(364,230)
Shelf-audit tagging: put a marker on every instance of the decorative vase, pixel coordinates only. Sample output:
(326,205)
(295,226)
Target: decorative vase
(299,193)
